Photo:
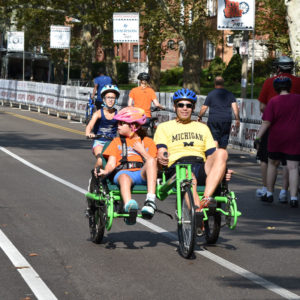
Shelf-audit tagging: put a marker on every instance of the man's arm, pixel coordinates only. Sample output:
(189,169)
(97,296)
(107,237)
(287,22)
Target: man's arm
(157,104)
(202,112)
(263,128)
(262,107)
(94,90)
(130,102)
(236,112)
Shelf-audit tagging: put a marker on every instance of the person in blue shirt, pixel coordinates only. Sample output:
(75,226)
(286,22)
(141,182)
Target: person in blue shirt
(220,103)
(100,81)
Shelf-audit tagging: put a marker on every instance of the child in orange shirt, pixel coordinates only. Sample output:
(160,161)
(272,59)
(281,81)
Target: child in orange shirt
(140,166)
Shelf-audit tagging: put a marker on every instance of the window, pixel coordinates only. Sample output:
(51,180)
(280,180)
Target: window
(135,51)
(211,8)
(210,50)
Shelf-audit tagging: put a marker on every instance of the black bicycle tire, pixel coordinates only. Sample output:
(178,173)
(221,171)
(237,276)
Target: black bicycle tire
(186,247)
(212,233)
(97,232)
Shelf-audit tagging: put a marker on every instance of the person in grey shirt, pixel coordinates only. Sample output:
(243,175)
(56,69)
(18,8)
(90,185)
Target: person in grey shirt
(220,103)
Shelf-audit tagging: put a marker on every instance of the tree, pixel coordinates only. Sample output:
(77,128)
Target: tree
(189,20)
(271,21)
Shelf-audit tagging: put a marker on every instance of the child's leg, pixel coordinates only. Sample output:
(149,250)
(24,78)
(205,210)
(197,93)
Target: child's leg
(97,152)
(125,183)
(149,173)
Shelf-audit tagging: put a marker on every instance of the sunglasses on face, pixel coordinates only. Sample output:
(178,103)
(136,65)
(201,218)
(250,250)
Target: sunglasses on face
(187,105)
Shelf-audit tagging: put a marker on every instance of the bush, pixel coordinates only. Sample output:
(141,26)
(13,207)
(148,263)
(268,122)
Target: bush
(232,72)
(216,67)
(122,70)
(172,76)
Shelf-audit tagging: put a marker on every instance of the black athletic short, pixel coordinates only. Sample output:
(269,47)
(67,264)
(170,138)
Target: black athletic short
(283,157)
(197,168)
(220,132)
(262,152)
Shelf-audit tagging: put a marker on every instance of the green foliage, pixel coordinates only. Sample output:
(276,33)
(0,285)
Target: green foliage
(232,72)
(216,67)
(270,20)
(172,76)
(122,71)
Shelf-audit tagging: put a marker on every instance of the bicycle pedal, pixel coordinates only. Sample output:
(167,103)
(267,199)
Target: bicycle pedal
(199,219)
(131,219)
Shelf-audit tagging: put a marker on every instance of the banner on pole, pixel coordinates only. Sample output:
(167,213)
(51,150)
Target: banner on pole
(236,14)
(15,41)
(60,37)
(126,27)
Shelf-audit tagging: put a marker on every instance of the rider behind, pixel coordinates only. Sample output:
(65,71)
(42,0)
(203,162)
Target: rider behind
(143,96)
(188,141)
(137,165)
(99,82)
(103,123)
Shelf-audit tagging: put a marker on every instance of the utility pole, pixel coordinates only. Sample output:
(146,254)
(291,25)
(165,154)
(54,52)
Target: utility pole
(244,64)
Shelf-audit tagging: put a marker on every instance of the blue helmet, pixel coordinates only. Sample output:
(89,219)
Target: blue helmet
(185,94)
(282,83)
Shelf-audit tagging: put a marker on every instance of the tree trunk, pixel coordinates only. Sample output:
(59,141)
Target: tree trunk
(192,62)
(154,72)
(293,20)
(110,62)
(87,51)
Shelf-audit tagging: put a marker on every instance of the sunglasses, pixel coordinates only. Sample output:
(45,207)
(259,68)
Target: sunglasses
(121,123)
(187,105)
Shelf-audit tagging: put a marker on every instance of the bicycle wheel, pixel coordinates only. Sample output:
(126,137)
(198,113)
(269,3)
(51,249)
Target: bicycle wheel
(186,226)
(212,227)
(97,225)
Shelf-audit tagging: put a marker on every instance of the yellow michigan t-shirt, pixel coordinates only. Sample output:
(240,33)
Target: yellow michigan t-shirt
(192,139)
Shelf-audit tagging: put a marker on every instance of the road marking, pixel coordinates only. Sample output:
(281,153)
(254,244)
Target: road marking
(46,123)
(205,253)
(33,280)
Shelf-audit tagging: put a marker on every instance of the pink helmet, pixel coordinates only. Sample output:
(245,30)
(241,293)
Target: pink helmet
(131,114)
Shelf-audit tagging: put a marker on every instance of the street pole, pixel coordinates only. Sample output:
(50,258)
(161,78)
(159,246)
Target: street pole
(244,67)
(253,60)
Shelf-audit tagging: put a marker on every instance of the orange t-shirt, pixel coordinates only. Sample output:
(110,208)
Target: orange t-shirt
(115,149)
(143,98)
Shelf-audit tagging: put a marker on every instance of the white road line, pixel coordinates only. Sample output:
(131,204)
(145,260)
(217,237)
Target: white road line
(33,280)
(215,258)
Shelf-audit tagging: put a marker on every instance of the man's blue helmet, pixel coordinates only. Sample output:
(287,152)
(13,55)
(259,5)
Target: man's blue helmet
(185,94)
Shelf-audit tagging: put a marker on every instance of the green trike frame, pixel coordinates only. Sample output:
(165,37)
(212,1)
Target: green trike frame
(105,204)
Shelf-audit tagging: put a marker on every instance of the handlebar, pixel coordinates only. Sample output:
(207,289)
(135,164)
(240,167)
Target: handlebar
(98,136)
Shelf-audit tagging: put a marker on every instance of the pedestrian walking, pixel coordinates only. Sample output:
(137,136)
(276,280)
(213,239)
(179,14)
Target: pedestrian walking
(221,103)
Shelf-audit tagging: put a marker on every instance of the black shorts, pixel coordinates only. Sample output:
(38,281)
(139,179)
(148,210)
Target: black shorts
(220,132)
(197,168)
(262,152)
(283,157)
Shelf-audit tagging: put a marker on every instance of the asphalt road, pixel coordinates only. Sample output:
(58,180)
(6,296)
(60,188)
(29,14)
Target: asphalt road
(46,253)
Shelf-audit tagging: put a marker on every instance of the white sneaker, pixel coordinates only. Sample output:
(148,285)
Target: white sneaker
(148,209)
(261,192)
(283,196)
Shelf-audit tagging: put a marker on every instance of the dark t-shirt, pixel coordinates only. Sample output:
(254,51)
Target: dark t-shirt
(101,81)
(219,102)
